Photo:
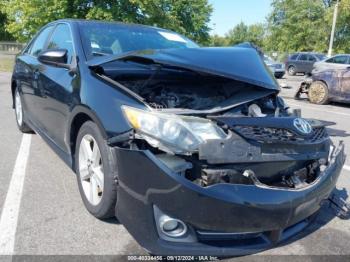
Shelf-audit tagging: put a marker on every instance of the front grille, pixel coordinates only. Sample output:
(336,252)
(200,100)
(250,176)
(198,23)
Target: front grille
(280,135)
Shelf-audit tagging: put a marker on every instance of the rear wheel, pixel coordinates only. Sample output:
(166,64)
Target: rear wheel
(96,171)
(291,71)
(22,126)
(318,93)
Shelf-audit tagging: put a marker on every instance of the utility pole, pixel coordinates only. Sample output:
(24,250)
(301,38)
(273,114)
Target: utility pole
(335,14)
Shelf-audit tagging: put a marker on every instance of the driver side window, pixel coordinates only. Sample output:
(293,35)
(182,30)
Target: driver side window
(303,57)
(61,39)
(38,44)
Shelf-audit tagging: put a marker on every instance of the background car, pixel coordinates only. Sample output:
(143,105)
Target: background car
(302,62)
(327,85)
(276,68)
(335,62)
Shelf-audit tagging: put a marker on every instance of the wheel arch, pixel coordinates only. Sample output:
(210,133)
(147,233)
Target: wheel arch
(323,82)
(79,116)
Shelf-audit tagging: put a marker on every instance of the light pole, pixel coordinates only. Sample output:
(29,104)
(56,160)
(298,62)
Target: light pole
(335,14)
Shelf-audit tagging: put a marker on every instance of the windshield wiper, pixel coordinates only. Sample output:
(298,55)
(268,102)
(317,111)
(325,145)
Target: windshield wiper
(99,53)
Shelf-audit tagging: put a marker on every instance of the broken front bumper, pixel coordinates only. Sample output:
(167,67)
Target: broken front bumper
(225,219)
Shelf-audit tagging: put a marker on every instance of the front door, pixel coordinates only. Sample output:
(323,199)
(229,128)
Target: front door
(27,69)
(56,85)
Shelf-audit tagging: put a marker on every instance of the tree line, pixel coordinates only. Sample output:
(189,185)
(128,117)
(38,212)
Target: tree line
(22,18)
(295,25)
(292,25)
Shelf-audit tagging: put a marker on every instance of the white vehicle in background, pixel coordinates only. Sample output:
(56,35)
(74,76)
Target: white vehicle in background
(334,62)
(278,69)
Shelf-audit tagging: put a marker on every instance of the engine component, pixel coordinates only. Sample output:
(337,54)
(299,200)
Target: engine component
(176,164)
(216,176)
(255,111)
(340,206)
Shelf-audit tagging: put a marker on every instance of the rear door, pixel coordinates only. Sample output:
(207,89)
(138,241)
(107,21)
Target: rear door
(27,68)
(302,63)
(57,87)
(311,59)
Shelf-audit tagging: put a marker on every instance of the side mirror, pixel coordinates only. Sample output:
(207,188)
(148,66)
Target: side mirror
(54,57)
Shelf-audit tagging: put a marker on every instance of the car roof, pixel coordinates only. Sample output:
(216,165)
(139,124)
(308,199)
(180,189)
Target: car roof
(340,55)
(92,22)
(309,53)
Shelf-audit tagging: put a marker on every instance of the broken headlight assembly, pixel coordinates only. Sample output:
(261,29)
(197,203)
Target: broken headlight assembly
(172,133)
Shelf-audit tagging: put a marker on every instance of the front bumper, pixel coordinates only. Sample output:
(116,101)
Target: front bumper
(279,74)
(227,219)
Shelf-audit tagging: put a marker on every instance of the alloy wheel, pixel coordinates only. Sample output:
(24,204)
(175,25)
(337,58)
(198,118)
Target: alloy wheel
(91,169)
(317,93)
(18,108)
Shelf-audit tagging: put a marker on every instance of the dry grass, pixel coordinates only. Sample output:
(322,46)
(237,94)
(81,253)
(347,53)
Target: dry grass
(6,63)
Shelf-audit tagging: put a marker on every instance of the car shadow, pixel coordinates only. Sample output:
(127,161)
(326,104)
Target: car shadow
(112,220)
(337,132)
(339,104)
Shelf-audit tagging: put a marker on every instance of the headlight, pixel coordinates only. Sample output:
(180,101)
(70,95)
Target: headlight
(179,134)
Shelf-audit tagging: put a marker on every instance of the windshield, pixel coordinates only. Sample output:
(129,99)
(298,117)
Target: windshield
(112,39)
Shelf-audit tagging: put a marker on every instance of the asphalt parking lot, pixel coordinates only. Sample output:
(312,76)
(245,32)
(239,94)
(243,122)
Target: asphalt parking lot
(52,220)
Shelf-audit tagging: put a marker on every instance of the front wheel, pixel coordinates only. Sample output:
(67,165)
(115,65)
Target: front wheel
(96,171)
(22,126)
(318,93)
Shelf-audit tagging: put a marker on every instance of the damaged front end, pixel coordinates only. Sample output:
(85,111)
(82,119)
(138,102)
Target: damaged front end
(215,162)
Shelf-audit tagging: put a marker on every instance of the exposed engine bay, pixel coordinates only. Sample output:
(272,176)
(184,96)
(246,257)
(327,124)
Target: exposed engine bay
(187,93)
(183,89)
(239,133)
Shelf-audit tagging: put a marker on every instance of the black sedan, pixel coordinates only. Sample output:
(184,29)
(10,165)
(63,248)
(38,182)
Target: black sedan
(190,148)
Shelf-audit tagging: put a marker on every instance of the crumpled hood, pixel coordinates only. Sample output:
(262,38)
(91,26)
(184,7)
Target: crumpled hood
(238,63)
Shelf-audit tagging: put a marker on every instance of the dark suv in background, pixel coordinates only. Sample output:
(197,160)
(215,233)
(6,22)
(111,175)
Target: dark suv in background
(302,62)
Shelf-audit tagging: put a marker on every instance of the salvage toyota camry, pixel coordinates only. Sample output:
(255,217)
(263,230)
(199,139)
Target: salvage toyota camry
(190,148)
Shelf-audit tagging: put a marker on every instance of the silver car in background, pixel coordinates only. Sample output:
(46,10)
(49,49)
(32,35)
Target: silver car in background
(335,62)
(278,69)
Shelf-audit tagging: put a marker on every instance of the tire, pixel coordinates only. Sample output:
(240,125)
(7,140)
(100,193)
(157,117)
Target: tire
(96,171)
(318,93)
(279,76)
(291,70)
(21,124)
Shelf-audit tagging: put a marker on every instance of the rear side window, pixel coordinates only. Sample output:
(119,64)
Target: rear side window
(61,39)
(312,58)
(303,57)
(330,60)
(293,57)
(338,60)
(38,44)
